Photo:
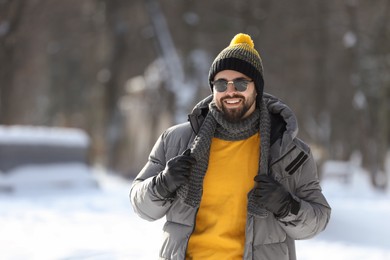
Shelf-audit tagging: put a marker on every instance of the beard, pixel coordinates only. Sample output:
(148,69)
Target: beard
(236,114)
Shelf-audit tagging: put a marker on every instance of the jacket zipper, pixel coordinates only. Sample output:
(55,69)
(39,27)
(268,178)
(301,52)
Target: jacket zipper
(192,231)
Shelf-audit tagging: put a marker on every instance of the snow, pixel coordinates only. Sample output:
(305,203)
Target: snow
(75,223)
(349,39)
(28,178)
(33,135)
(358,228)
(90,223)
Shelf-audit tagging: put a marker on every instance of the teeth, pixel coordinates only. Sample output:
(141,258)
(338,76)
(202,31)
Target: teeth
(232,101)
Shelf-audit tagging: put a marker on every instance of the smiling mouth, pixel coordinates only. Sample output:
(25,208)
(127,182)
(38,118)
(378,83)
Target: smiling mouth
(234,101)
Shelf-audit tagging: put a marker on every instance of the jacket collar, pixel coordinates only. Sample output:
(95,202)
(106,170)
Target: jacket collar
(275,107)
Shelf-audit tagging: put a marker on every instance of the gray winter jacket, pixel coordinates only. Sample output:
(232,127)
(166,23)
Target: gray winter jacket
(291,163)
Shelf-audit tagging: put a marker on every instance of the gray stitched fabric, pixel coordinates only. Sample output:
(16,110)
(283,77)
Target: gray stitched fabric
(265,142)
(191,192)
(235,131)
(215,125)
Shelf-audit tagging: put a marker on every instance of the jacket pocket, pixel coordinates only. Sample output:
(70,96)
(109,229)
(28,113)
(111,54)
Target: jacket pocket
(175,237)
(270,240)
(268,231)
(275,251)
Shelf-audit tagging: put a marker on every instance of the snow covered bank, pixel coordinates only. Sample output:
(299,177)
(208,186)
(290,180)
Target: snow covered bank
(33,135)
(38,157)
(75,224)
(358,228)
(32,178)
(100,224)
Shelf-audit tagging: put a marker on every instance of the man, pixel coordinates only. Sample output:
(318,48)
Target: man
(234,182)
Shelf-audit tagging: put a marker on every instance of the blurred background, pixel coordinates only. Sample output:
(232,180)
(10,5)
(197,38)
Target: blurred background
(123,71)
(87,86)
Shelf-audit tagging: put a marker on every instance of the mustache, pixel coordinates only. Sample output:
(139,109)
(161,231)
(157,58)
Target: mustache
(234,96)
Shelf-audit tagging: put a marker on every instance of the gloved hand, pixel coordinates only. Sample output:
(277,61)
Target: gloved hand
(175,174)
(272,196)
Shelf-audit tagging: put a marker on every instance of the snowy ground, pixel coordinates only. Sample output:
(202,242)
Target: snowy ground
(359,227)
(100,224)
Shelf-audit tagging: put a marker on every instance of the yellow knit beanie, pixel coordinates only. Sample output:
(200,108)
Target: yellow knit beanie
(240,56)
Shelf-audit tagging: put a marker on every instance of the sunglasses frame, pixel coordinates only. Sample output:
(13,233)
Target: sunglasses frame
(240,88)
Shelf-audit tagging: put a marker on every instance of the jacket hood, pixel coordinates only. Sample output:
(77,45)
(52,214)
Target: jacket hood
(203,104)
(278,107)
(275,106)
(199,113)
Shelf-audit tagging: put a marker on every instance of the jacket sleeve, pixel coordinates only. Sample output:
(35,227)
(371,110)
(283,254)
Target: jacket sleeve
(146,202)
(314,213)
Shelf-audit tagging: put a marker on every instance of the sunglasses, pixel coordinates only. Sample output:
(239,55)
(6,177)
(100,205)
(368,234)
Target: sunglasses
(240,85)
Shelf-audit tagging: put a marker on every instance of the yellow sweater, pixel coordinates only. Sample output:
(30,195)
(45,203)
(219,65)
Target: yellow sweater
(220,223)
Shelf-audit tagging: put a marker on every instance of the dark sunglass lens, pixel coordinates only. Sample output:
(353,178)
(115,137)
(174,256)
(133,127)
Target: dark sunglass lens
(241,84)
(220,85)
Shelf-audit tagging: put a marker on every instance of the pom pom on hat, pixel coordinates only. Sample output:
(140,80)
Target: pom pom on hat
(240,56)
(242,38)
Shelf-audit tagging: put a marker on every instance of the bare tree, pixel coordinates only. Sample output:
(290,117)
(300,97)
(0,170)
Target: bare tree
(10,18)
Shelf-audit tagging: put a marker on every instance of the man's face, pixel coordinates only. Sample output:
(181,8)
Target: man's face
(233,104)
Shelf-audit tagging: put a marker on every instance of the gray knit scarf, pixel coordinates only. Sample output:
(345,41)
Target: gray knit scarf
(215,125)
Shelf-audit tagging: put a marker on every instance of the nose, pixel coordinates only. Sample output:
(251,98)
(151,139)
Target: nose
(231,89)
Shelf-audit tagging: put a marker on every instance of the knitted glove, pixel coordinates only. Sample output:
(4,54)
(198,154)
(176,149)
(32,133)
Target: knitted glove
(175,174)
(272,196)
